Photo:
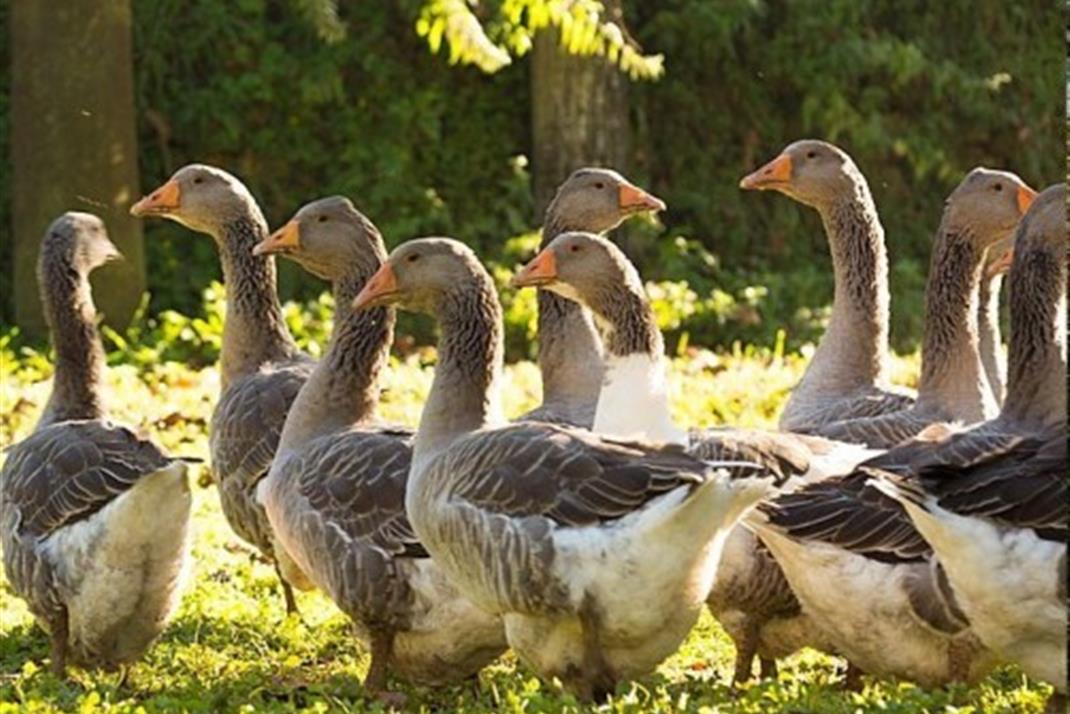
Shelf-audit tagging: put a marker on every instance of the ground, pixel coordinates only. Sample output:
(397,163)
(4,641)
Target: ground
(232,648)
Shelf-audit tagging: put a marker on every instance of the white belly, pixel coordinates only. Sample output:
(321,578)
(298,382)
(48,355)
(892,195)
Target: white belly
(1007,584)
(450,638)
(862,606)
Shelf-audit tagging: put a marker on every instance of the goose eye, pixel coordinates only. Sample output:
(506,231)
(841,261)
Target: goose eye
(413,258)
(322,219)
(599,185)
(811,154)
(198,180)
(574,248)
(998,187)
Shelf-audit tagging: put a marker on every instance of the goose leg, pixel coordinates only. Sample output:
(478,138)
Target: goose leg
(852,680)
(474,685)
(769,667)
(287,592)
(375,682)
(746,649)
(60,634)
(124,674)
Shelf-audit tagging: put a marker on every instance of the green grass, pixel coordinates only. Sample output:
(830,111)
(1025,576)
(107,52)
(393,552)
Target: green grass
(231,647)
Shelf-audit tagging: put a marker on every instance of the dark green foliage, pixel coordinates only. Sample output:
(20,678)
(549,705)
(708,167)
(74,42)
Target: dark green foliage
(917,92)
(7,245)
(421,147)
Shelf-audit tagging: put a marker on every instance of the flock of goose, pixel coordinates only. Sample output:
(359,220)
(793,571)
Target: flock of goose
(919,537)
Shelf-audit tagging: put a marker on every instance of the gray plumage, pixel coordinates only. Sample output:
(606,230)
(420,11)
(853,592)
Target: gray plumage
(858,538)
(261,367)
(954,387)
(992,500)
(79,497)
(570,353)
(553,528)
(243,435)
(750,595)
(336,491)
(847,377)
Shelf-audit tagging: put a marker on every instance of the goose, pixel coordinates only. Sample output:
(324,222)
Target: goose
(557,530)
(750,596)
(570,355)
(993,355)
(848,376)
(335,494)
(870,582)
(94,519)
(982,210)
(261,367)
(992,501)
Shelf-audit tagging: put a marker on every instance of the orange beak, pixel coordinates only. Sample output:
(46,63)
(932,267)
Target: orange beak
(633,198)
(773,175)
(284,240)
(1025,198)
(379,290)
(542,270)
(164,200)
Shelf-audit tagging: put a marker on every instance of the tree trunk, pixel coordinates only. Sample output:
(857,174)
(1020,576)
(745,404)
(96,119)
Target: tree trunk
(74,144)
(579,115)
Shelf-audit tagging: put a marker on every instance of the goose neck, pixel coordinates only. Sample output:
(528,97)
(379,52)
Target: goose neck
(990,334)
(1036,373)
(634,399)
(77,387)
(464,393)
(952,374)
(569,351)
(254,332)
(343,389)
(627,323)
(853,351)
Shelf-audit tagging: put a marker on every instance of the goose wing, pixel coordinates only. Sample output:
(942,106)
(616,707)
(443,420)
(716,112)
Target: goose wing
(872,403)
(356,482)
(880,432)
(346,513)
(1017,481)
(248,420)
(68,471)
(244,434)
(569,476)
(845,513)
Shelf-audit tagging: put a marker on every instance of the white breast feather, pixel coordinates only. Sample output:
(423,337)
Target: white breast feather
(634,401)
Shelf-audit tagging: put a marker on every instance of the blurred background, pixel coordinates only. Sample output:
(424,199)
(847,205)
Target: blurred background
(460,118)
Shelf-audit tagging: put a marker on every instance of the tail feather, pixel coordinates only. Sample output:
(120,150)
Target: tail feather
(904,490)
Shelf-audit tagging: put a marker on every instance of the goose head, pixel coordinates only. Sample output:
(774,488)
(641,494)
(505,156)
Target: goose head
(986,206)
(599,200)
(582,267)
(80,241)
(425,275)
(201,197)
(329,238)
(813,172)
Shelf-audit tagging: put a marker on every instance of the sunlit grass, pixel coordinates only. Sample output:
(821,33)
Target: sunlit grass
(231,648)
